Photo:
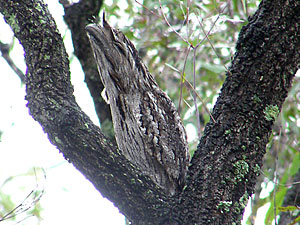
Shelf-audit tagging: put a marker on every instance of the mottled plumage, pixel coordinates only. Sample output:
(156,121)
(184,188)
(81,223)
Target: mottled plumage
(148,129)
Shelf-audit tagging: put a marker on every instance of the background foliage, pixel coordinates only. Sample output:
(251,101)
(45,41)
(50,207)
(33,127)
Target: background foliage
(188,46)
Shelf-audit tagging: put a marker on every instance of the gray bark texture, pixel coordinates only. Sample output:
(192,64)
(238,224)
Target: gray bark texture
(222,172)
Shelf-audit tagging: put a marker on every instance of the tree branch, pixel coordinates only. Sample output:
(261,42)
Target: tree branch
(229,156)
(4,49)
(52,104)
(223,170)
(77,16)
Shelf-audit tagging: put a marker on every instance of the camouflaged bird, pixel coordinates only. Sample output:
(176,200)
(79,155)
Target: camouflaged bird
(147,126)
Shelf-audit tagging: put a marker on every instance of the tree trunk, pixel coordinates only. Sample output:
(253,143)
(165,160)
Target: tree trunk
(222,173)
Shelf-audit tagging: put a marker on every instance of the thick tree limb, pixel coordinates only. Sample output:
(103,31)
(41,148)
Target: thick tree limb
(223,170)
(52,104)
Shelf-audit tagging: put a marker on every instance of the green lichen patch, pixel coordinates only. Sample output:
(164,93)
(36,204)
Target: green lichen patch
(227,132)
(256,169)
(241,204)
(271,112)
(244,200)
(241,168)
(224,206)
(256,99)
(57,140)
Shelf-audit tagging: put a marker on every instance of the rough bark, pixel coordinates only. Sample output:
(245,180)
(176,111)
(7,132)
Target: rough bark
(51,102)
(223,170)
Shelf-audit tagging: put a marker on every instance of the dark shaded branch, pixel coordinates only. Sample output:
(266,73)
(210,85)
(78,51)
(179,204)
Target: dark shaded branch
(51,102)
(4,49)
(223,170)
(77,16)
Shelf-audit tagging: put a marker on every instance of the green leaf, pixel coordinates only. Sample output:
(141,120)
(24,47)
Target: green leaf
(281,189)
(295,221)
(288,208)
(213,67)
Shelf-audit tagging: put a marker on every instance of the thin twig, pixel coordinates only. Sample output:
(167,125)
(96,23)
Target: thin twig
(4,49)
(194,95)
(276,177)
(167,22)
(277,183)
(182,73)
(202,101)
(206,37)
(182,79)
(152,12)
(25,205)
(187,18)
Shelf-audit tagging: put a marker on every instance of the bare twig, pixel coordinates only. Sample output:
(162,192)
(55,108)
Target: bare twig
(167,22)
(187,18)
(277,183)
(182,78)
(206,37)
(4,48)
(191,86)
(152,12)
(194,62)
(29,201)
(276,178)
(206,109)
(194,95)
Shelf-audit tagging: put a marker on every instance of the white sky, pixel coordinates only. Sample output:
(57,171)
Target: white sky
(69,198)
